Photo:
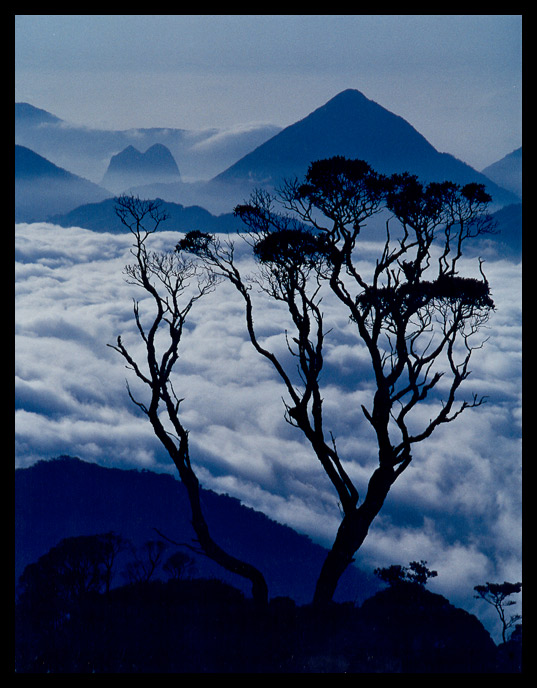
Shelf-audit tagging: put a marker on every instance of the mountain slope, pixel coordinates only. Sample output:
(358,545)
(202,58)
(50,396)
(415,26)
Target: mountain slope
(507,172)
(509,228)
(42,188)
(66,497)
(27,115)
(354,126)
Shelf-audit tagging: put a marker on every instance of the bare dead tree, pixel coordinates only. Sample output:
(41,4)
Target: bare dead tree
(175,284)
(416,321)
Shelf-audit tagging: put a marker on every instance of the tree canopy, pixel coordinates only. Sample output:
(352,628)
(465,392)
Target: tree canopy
(416,315)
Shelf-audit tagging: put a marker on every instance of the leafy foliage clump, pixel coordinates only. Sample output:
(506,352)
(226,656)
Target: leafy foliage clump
(195,242)
(415,572)
(295,247)
(410,297)
(338,184)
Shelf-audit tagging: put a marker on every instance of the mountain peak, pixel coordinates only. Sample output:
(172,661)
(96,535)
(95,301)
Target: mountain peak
(129,150)
(130,168)
(349,124)
(349,95)
(157,148)
(352,125)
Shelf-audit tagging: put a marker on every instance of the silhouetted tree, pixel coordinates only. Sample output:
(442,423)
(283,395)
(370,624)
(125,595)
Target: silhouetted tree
(146,561)
(178,565)
(496,594)
(68,570)
(167,278)
(50,588)
(415,572)
(415,315)
(111,545)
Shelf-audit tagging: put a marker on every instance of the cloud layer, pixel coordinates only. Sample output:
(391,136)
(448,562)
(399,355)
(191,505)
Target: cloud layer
(458,506)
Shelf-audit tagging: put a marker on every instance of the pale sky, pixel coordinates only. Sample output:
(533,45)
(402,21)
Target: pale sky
(456,78)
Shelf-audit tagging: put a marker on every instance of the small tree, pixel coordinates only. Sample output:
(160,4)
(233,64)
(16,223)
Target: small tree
(416,572)
(167,278)
(146,561)
(178,565)
(415,315)
(111,545)
(50,588)
(496,594)
(68,571)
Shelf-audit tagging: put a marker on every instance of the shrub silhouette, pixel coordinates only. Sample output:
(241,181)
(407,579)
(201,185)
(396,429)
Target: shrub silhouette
(207,626)
(415,572)
(146,562)
(178,565)
(417,631)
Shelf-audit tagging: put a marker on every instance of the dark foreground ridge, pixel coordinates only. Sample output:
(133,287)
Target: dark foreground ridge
(72,617)
(206,626)
(68,497)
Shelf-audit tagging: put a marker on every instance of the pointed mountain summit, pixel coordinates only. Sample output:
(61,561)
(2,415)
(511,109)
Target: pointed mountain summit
(349,124)
(130,168)
(354,126)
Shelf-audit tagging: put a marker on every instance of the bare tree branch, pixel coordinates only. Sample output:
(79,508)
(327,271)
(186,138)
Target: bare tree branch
(304,240)
(167,278)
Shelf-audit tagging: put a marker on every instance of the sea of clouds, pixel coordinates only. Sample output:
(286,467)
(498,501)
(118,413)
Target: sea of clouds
(458,506)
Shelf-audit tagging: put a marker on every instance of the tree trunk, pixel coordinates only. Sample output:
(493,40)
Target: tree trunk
(351,534)
(215,552)
(181,459)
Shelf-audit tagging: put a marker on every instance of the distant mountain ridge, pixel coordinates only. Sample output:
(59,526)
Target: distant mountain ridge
(353,126)
(29,115)
(66,496)
(45,192)
(349,124)
(101,217)
(200,154)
